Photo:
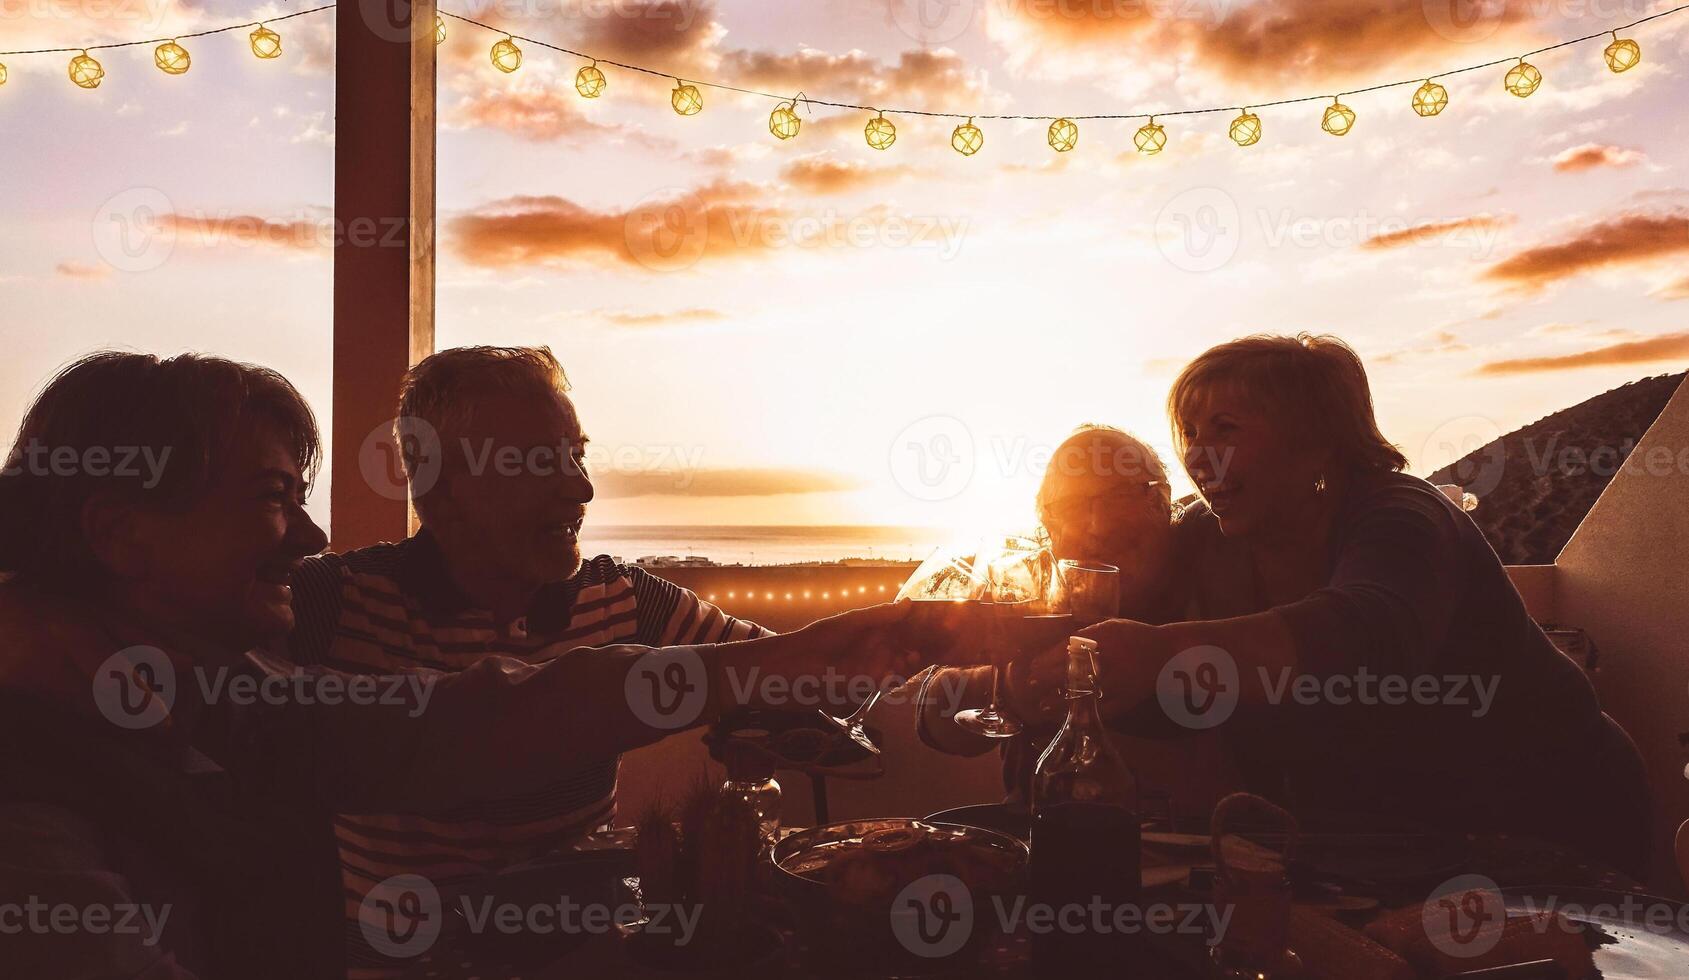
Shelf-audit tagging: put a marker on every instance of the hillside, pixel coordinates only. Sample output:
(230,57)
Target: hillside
(1535,484)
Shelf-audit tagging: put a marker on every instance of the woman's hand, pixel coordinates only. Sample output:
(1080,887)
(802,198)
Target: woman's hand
(1130,658)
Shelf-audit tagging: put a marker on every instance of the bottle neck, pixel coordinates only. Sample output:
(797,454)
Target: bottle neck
(1083,709)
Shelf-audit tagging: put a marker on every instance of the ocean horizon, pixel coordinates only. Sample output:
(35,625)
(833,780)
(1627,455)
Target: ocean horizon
(729,544)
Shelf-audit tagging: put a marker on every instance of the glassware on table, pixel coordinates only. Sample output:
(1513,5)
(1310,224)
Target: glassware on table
(750,781)
(1252,886)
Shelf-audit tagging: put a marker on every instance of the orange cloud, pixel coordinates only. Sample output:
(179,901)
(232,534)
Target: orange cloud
(626,319)
(826,175)
(1667,347)
(1677,290)
(1439,342)
(1427,232)
(72,269)
(541,115)
(935,78)
(716,221)
(1627,239)
(1591,155)
(670,35)
(1271,40)
(248,230)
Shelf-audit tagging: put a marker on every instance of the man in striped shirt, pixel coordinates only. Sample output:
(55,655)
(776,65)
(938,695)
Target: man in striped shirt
(494,453)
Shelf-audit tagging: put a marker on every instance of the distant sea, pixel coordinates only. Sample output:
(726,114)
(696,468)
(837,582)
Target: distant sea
(750,545)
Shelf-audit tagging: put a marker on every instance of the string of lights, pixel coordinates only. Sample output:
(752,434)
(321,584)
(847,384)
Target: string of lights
(1429,99)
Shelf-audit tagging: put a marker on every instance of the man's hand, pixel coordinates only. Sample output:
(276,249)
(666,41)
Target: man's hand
(896,640)
(1032,688)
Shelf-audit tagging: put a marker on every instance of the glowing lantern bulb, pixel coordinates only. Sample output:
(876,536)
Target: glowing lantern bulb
(266,43)
(1064,135)
(1151,139)
(85,71)
(686,99)
(507,57)
(880,132)
(171,58)
(783,122)
(590,82)
(967,138)
(1430,99)
(1246,129)
(1523,79)
(1339,119)
(1623,54)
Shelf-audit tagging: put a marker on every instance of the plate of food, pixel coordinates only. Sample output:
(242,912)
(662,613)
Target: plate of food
(880,893)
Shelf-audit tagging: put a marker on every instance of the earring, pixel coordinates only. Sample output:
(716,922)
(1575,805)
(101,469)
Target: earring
(1319,484)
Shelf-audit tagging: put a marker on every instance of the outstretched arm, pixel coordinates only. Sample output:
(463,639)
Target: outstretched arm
(504,726)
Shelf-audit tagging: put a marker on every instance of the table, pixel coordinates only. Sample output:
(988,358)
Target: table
(1509,861)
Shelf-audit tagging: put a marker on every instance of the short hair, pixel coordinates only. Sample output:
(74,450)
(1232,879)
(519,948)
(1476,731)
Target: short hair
(177,420)
(1088,440)
(1315,385)
(443,388)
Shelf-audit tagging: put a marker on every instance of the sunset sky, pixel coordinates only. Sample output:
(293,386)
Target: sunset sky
(759,331)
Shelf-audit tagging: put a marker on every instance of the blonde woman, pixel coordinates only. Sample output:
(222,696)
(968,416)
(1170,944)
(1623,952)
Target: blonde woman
(1392,674)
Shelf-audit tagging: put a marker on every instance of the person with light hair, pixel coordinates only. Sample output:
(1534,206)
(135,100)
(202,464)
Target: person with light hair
(1389,673)
(1104,499)
(157,758)
(495,456)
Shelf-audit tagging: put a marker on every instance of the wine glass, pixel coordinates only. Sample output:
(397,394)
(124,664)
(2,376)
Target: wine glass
(950,574)
(1091,590)
(1020,587)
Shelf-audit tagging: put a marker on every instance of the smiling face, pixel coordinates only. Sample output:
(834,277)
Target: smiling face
(1250,468)
(1106,502)
(514,496)
(218,569)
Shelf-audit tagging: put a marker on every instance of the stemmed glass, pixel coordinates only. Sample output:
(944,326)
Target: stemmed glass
(1092,590)
(946,576)
(1025,592)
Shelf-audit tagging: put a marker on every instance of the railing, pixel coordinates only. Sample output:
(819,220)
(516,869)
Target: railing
(784,597)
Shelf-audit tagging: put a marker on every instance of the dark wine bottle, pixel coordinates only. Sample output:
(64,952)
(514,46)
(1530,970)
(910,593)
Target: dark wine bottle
(1085,831)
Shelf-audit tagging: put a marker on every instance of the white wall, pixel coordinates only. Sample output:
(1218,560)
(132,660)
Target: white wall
(1624,577)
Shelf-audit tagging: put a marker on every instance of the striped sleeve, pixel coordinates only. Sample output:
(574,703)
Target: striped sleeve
(670,615)
(316,608)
